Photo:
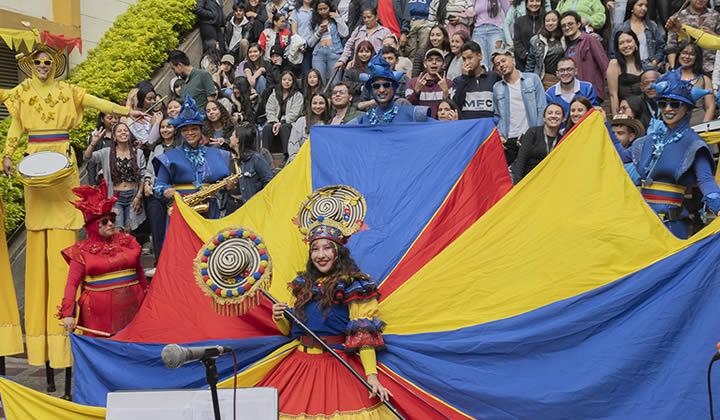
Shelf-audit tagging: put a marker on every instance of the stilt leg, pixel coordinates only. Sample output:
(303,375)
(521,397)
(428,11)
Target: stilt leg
(68,384)
(50,376)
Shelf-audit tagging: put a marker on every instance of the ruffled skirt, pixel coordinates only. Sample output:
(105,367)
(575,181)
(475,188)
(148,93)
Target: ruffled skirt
(317,386)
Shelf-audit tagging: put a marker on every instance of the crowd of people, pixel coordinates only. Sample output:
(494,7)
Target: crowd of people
(271,71)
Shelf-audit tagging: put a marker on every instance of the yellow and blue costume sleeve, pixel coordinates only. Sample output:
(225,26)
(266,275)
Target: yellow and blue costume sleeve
(704,40)
(364,331)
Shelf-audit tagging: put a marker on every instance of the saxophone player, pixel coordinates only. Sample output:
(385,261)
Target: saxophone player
(192,167)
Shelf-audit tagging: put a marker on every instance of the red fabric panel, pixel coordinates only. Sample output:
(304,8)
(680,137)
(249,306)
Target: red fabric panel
(387,17)
(413,402)
(177,311)
(485,181)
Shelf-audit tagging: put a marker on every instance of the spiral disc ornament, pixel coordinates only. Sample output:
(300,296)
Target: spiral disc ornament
(231,268)
(339,206)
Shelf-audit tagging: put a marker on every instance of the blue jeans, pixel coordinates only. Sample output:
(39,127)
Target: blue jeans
(260,84)
(487,36)
(324,60)
(123,207)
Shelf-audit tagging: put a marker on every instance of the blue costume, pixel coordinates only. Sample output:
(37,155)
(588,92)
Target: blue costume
(669,161)
(187,168)
(393,112)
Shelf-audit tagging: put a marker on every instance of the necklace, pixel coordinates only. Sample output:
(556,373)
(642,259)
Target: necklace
(385,118)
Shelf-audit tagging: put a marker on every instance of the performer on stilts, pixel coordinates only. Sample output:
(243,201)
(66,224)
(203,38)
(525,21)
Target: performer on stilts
(106,266)
(46,109)
(383,82)
(671,158)
(11,341)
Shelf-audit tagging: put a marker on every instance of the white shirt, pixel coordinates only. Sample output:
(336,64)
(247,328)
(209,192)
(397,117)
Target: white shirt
(518,117)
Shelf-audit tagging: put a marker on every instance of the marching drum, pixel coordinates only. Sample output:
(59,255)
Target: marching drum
(44,169)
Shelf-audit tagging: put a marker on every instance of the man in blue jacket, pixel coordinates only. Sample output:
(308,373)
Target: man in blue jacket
(518,101)
(569,86)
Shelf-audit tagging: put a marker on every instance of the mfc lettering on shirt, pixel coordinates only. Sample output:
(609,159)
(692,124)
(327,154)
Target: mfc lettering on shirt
(474,94)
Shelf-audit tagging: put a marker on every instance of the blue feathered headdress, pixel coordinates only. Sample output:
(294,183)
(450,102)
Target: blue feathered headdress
(189,114)
(672,87)
(380,69)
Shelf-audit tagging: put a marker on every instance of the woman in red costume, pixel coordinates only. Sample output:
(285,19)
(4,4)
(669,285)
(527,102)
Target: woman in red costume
(106,264)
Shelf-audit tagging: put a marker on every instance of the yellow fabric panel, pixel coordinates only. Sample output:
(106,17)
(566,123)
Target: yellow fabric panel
(575,223)
(254,374)
(11,341)
(703,39)
(269,213)
(22,403)
(376,412)
(364,309)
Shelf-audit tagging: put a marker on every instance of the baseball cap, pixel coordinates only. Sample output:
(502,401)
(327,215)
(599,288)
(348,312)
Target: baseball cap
(434,51)
(228,58)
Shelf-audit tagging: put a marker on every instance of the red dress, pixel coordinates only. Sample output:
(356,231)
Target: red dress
(112,278)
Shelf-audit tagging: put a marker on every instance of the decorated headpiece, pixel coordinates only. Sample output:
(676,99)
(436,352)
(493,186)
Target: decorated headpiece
(232,268)
(31,42)
(93,202)
(189,114)
(334,213)
(671,86)
(379,68)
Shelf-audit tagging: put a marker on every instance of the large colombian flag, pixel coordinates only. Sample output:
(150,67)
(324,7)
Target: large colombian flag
(568,298)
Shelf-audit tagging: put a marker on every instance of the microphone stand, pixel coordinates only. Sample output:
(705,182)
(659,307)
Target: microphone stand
(330,350)
(211,375)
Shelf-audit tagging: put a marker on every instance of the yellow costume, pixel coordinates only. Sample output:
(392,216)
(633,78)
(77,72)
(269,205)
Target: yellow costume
(704,40)
(46,111)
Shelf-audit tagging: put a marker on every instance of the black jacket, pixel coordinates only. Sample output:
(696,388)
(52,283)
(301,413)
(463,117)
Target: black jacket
(533,149)
(525,28)
(210,12)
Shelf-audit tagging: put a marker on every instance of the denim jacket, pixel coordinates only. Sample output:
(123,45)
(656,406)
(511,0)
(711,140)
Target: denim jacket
(533,97)
(337,32)
(653,37)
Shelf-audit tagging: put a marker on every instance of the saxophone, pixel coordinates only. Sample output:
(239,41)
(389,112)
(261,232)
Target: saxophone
(198,200)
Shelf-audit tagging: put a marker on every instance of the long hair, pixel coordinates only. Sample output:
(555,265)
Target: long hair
(621,59)
(224,117)
(445,46)
(246,107)
(246,134)
(343,268)
(114,172)
(697,67)
(357,64)
(279,88)
(310,117)
(557,33)
(315,20)
(583,100)
(629,8)
(307,89)
(639,109)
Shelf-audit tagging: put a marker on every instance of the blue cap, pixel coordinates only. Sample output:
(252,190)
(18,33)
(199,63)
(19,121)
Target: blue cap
(189,114)
(380,69)
(671,86)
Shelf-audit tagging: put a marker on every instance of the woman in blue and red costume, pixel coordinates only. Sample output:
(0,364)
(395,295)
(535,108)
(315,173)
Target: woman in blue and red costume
(187,168)
(106,266)
(671,158)
(336,300)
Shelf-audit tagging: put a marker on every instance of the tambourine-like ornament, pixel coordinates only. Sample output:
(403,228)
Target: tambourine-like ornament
(335,212)
(232,268)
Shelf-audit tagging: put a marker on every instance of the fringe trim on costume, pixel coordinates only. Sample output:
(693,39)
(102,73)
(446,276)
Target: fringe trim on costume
(376,412)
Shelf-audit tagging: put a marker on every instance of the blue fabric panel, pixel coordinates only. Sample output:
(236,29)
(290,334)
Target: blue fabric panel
(405,171)
(138,366)
(636,348)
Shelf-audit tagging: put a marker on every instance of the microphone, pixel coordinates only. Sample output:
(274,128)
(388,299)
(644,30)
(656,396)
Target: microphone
(175,356)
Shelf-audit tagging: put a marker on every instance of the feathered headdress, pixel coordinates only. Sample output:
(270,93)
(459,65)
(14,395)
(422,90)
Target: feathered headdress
(93,202)
(671,86)
(334,213)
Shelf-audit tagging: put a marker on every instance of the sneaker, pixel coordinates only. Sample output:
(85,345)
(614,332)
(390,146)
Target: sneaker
(150,272)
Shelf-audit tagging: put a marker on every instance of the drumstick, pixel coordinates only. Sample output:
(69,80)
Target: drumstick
(91,331)
(158,102)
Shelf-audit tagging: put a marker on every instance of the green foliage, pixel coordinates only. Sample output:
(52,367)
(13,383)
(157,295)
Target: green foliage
(136,44)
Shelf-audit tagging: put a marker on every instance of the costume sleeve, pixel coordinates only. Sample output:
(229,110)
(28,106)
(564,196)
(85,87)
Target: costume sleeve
(704,40)
(90,101)
(706,182)
(75,276)
(13,137)
(365,327)
(163,181)
(283,325)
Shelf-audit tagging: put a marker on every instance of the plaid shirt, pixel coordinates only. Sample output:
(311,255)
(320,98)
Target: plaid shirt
(708,21)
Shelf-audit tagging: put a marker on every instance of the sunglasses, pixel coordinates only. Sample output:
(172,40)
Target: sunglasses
(384,85)
(662,104)
(107,219)
(46,62)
